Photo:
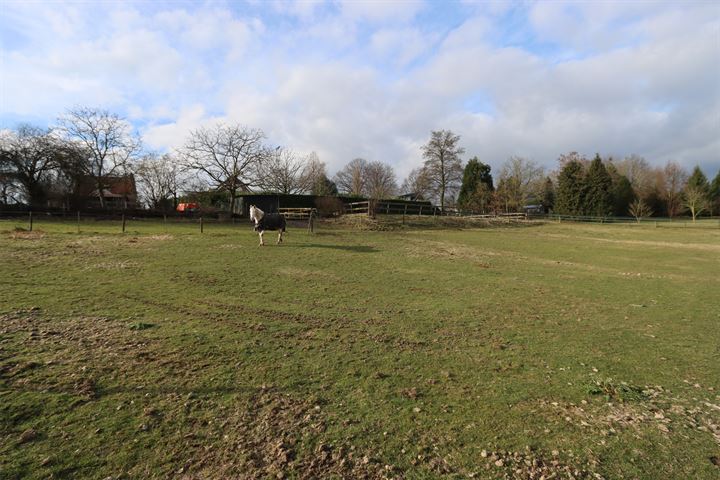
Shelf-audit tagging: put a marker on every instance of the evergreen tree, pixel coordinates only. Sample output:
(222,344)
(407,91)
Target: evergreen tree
(698,180)
(571,190)
(715,195)
(621,191)
(654,201)
(475,174)
(598,200)
(696,195)
(548,198)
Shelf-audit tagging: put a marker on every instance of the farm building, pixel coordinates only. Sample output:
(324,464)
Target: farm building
(326,205)
(118,192)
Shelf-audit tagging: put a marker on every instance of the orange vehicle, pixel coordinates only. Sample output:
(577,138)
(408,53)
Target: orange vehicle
(187,207)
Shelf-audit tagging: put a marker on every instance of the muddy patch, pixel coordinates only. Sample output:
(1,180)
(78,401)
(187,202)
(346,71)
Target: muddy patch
(22,234)
(277,436)
(652,407)
(448,251)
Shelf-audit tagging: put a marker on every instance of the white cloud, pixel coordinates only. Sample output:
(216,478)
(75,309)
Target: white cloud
(368,79)
(172,135)
(401,46)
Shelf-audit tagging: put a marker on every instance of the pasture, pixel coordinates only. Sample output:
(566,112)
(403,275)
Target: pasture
(534,351)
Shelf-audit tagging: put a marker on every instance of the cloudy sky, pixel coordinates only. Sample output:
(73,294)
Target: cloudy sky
(372,79)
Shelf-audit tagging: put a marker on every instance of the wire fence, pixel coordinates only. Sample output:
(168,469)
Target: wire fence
(305,218)
(679,222)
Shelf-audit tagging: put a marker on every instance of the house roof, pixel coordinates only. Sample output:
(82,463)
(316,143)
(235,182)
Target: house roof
(114,186)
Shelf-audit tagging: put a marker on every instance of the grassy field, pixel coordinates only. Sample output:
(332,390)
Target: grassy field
(557,350)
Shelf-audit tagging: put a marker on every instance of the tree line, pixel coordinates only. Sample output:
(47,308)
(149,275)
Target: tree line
(93,145)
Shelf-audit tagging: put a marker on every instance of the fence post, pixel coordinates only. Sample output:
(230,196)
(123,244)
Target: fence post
(420,212)
(123,223)
(31,220)
(404,213)
(201,224)
(78,220)
(310,223)
(165,221)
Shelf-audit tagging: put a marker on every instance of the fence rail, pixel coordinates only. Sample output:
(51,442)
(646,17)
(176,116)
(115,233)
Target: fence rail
(389,208)
(373,208)
(27,219)
(298,213)
(667,221)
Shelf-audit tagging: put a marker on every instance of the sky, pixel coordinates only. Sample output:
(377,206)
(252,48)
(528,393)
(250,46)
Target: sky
(373,79)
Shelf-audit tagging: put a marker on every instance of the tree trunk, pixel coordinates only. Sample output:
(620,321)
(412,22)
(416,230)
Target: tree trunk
(100,192)
(232,202)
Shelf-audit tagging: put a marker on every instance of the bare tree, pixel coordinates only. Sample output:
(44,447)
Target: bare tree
(72,166)
(520,181)
(443,167)
(28,157)
(283,172)
(315,179)
(479,200)
(566,158)
(696,200)
(228,155)
(639,209)
(674,180)
(160,180)
(417,184)
(639,172)
(352,178)
(105,137)
(8,187)
(380,180)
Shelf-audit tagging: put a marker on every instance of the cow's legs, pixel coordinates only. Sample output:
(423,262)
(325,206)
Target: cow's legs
(280,236)
(261,237)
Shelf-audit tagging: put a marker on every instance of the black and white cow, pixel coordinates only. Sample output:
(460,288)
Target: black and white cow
(270,221)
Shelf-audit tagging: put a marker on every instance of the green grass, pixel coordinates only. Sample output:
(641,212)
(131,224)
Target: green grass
(415,353)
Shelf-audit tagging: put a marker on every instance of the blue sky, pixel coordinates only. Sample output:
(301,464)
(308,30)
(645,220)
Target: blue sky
(371,79)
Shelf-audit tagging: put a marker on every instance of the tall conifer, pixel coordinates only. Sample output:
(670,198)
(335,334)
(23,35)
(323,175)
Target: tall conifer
(475,173)
(571,190)
(598,200)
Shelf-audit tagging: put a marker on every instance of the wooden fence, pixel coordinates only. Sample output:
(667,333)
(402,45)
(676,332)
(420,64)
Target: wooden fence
(298,213)
(372,208)
(308,214)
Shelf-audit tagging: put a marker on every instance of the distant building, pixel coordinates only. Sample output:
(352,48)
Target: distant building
(534,209)
(412,197)
(118,192)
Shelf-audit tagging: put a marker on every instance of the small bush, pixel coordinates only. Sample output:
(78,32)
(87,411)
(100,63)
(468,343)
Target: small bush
(622,392)
(140,326)
(329,206)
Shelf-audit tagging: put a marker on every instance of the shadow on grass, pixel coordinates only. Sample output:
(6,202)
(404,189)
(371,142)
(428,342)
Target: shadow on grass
(346,248)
